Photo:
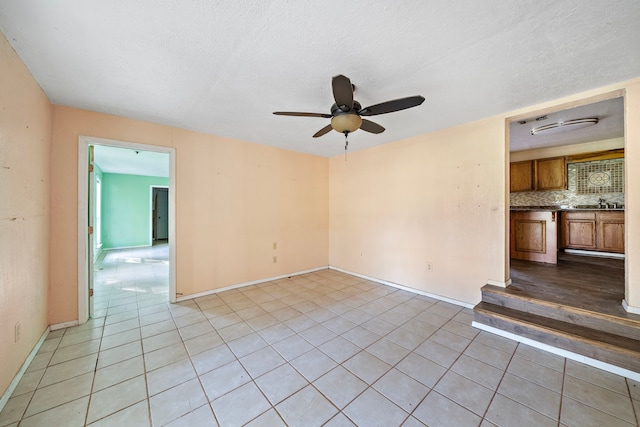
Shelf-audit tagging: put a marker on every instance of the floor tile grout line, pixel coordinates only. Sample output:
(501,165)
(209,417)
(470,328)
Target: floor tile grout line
(504,373)
(564,370)
(49,385)
(215,416)
(410,352)
(516,374)
(432,389)
(316,347)
(146,381)
(595,408)
(93,379)
(633,407)
(595,384)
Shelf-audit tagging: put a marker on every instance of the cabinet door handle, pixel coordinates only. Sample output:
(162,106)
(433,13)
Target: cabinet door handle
(553,217)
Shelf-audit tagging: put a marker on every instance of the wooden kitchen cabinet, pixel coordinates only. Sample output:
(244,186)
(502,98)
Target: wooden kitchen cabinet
(540,175)
(593,230)
(551,174)
(611,231)
(522,176)
(579,230)
(534,236)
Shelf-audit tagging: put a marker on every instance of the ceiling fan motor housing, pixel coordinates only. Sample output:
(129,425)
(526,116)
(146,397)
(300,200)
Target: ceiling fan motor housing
(346,121)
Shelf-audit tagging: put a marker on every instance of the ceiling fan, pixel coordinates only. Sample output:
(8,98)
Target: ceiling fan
(346,114)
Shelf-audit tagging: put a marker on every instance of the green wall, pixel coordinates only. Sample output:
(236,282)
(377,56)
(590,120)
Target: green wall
(126,209)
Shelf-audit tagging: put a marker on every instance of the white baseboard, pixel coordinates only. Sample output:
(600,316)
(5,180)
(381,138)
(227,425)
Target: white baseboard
(14,383)
(404,288)
(63,325)
(594,253)
(126,247)
(630,308)
(242,285)
(560,352)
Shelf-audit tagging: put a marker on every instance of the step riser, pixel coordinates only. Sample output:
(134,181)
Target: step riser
(562,313)
(623,358)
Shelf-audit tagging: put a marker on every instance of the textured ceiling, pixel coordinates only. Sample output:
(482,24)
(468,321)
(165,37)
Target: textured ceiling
(610,115)
(222,67)
(129,161)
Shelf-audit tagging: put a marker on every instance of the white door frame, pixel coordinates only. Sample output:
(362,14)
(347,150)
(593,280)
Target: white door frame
(83,205)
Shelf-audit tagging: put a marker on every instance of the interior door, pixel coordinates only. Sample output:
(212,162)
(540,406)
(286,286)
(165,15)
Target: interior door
(162,213)
(90,232)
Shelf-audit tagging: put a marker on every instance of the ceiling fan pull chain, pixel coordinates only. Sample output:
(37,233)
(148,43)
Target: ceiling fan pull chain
(346,145)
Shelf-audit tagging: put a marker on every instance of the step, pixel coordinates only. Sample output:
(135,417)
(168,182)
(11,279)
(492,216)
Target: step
(613,349)
(626,325)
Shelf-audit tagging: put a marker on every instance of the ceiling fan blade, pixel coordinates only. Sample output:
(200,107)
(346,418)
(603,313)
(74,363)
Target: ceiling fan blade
(294,113)
(323,131)
(342,92)
(371,127)
(391,106)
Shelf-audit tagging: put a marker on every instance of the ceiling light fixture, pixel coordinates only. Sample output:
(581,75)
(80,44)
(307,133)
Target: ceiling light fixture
(564,126)
(346,122)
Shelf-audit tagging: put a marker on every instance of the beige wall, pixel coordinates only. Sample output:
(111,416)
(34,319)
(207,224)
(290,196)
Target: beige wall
(632,193)
(234,199)
(437,198)
(25,140)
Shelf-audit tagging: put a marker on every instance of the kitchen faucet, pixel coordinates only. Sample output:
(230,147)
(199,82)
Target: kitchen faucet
(602,203)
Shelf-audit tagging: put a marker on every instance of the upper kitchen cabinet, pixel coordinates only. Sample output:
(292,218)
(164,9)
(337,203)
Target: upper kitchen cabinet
(551,174)
(540,175)
(522,176)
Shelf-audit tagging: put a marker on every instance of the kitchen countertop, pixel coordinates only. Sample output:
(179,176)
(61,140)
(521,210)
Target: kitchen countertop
(564,208)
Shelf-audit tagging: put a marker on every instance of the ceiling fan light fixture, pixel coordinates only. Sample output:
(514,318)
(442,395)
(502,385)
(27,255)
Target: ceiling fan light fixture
(346,122)
(564,126)
(346,112)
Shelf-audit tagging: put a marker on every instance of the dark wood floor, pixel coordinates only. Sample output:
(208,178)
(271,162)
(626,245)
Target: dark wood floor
(590,283)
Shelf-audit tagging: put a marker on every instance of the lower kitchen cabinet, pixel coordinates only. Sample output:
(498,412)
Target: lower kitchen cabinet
(593,230)
(611,231)
(579,230)
(534,236)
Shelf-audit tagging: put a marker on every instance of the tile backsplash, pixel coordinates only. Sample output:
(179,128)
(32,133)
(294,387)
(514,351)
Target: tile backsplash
(599,177)
(588,182)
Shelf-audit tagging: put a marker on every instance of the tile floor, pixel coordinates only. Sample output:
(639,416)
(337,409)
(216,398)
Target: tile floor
(325,348)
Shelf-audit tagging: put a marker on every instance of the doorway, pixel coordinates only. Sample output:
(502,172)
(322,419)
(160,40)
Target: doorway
(603,289)
(86,203)
(159,214)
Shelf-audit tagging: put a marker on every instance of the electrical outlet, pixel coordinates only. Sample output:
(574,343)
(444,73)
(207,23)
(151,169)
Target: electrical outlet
(275,259)
(275,245)
(17,332)
(429,267)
